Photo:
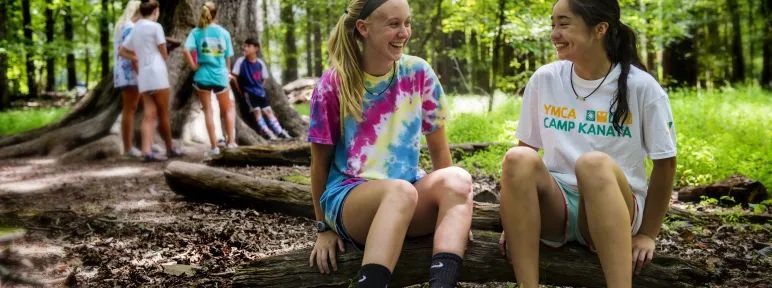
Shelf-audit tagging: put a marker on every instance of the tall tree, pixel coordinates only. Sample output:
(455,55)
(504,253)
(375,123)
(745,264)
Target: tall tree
(766,73)
(291,51)
(738,62)
(29,49)
(104,39)
(309,44)
(317,31)
(50,58)
(266,34)
(72,79)
(5,97)
(496,48)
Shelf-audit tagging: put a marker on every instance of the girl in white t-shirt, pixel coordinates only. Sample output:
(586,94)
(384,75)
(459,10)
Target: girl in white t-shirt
(591,184)
(125,77)
(148,43)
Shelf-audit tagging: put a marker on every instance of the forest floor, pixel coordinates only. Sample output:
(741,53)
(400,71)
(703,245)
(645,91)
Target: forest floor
(116,223)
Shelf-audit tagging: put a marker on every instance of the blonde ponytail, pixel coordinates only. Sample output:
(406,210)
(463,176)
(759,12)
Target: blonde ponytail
(346,58)
(131,10)
(208,12)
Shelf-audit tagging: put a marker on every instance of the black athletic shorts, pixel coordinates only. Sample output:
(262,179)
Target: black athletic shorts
(256,102)
(214,88)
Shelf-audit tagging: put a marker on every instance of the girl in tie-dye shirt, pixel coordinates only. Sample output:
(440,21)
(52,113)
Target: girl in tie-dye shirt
(366,138)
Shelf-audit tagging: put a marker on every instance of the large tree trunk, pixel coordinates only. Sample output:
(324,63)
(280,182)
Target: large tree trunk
(680,62)
(5,97)
(29,49)
(92,118)
(50,59)
(104,40)
(766,73)
(291,54)
(568,266)
(738,62)
(72,79)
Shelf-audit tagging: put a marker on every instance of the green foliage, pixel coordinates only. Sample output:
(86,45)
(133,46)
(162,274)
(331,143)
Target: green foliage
(721,133)
(303,109)
(16,121)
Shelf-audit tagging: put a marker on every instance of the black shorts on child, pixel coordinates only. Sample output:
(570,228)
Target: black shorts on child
(255,101)
(214,88)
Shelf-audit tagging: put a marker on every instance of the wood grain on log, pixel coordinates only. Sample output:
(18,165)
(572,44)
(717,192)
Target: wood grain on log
(571,265)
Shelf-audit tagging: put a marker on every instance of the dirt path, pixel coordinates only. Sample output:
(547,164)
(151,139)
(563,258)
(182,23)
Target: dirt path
(118,225)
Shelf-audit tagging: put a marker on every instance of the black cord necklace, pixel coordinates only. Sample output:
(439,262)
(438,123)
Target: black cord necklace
(391,80)
(593,91)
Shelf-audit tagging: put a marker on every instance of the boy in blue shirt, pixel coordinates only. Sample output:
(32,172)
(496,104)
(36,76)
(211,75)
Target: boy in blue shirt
(250,73)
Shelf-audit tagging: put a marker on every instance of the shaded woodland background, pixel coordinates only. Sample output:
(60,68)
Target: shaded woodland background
(476,47)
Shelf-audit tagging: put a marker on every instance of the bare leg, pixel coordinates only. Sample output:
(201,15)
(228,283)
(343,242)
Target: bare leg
(164,127)
(131,98)
(445,208)
(206,104)
(378,214)
(148,122)
(531,205)
(606,206)
(225,109)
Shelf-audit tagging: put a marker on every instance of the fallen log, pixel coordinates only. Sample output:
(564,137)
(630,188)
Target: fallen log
(264,155)
(571,265)
(697,216)
(208,184)
(739,187)
(203,183)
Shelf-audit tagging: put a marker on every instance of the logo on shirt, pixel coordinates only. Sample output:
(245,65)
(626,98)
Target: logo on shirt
(596,122)
(257,75)
(212,46)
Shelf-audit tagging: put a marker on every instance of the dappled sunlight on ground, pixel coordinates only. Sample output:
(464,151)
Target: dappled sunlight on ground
(20,180)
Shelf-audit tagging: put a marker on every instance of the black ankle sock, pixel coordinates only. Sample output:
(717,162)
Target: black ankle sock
(372,276)
(444,271)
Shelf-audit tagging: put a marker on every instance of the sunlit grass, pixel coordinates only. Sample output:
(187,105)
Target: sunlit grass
(16,121)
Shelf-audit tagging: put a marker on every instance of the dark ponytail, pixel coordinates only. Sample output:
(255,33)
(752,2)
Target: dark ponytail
(621,47)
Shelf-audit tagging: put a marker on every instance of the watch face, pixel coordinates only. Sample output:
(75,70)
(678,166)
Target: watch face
(320,226)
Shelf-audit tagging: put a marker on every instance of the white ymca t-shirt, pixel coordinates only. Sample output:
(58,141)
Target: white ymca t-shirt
(144,41)
(553,119)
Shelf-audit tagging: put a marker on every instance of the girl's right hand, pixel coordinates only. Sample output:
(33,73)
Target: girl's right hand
(324,250)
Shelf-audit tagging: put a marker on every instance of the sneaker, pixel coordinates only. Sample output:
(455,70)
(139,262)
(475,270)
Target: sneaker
(215,151)
(221,143)
(232,145)
(176,153)
(284,135)
(158,149)
(134,153)
(154,158)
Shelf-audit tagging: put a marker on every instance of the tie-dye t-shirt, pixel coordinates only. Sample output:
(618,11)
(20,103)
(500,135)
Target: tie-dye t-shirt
(386,144)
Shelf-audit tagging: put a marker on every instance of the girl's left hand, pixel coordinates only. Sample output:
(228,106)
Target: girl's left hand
(643,251)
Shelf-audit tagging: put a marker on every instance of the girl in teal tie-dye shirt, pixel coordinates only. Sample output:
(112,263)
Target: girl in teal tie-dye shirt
(367,119)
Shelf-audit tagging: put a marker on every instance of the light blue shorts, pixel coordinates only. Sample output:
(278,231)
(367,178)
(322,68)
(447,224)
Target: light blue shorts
(571,231)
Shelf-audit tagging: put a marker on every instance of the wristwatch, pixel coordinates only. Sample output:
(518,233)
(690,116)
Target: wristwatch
(322,226)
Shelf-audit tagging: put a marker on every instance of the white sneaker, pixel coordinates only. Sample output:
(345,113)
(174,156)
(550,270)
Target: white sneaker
(233,145)
(215,151)
(134,153)
(158,149)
